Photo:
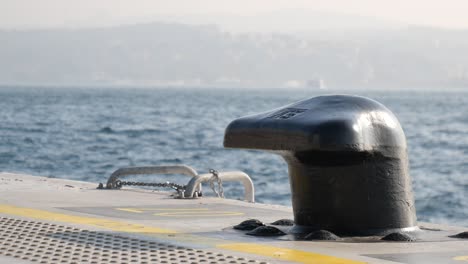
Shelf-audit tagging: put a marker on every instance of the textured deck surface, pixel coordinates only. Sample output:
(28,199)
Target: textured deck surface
(47,220)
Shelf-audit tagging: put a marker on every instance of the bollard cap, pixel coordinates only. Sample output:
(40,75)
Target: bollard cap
(325,123)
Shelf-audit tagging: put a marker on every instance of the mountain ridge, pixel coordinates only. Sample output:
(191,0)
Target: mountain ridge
(175,54)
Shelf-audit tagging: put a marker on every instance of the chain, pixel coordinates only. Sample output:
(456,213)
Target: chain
(172,185)
(179,188)
(213,179)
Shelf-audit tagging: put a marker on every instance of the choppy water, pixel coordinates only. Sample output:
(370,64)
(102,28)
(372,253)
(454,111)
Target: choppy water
(86,134)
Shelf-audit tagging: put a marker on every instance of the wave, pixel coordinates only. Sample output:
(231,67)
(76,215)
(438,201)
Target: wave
(129,132)
(23,129)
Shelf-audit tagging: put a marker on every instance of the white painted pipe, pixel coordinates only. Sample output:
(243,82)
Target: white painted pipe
(249,191)
(150,170)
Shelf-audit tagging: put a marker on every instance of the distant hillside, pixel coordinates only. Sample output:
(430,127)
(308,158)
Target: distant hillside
(162,54)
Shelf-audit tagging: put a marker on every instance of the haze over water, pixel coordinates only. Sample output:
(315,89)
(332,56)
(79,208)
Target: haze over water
(86,134)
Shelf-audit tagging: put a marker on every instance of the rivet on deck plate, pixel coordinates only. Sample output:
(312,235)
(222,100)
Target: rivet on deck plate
(321,235)
(398,236)
(283,222)
(266,231)
(250,224)
(461,235)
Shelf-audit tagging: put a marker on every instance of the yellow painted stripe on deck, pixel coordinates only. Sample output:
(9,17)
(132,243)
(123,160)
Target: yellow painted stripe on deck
(195,214)
(143,210)
(461,258)
(91,221)
(286,254)
(131,210)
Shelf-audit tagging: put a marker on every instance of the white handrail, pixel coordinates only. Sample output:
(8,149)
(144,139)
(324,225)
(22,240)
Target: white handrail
(249,191)
(172,169)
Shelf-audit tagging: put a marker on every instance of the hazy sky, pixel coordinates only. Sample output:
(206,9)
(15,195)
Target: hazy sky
(77,13)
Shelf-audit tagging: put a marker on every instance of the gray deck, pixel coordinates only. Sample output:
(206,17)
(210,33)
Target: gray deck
(62,221)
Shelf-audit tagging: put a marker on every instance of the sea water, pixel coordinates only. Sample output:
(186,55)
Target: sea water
(86,134)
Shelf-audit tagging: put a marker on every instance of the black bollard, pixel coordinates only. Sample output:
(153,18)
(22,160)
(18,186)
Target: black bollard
(347,159)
